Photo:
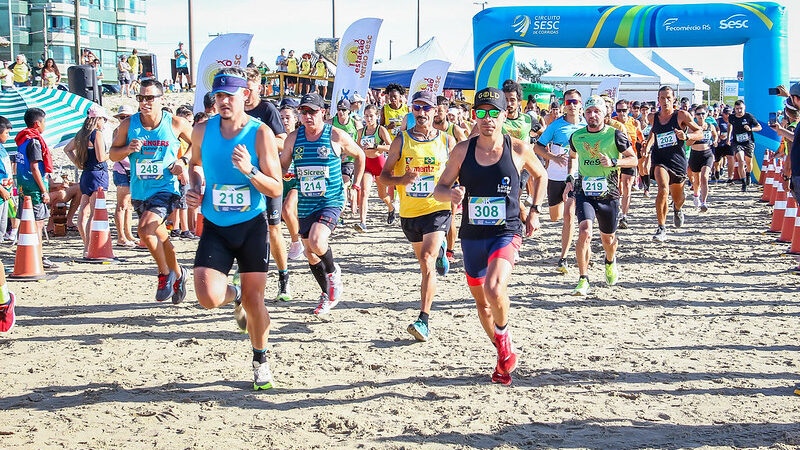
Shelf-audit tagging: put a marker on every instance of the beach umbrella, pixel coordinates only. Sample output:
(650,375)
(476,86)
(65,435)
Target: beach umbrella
(65,112)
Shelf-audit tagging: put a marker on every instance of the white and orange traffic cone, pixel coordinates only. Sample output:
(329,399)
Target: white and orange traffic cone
(768,183)
(28,262)
(794,249)
(789,217)
(776,193)
(777,214)
(100,250)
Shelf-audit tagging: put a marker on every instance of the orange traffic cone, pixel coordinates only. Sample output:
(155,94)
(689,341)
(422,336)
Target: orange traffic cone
(28,263)
(768,183)
(100,236)
(198,226)
(788,220)
(776,193)
(763,175)
(794,249)
(778,212)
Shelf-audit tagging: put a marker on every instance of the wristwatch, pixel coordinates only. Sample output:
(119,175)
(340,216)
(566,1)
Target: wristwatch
(252,173)
(613,162)
(537,209)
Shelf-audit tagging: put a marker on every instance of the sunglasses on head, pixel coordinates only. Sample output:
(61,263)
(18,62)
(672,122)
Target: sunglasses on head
(481,113)
(425,108)
(572,101)
(146,98)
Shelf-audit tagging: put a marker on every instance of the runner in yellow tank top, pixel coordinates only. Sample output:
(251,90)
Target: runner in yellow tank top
(394,110)
(416,160)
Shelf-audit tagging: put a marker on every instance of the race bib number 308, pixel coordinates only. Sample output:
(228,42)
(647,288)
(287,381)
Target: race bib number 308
(228,197)
(487,210)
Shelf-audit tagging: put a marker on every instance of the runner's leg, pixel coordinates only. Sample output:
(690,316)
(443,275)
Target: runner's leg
(662,178)
(426,252)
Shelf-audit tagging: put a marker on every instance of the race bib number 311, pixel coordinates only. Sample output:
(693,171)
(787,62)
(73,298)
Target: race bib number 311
(487,210)
(421,187)
(228,197)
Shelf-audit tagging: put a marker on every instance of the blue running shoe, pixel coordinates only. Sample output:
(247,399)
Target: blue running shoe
(419,330)
(442,264)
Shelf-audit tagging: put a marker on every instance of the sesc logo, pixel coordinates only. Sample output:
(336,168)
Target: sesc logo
(734,22)
(670,21)
(521,24)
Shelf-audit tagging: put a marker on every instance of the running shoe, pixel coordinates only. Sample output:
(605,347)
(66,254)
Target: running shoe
(504,379)
(623,223)
(696,201)
(262,378)
(237,280)
(335,285)
(174,233)
(646,193)
(661,234)
(296,250)
(582,288)
(391,216)
(239,313)
(188,235)
(284,294)
(562,266)
(325,305)
(179,288)
(360,227)
(451,256)
(166,286)
(744,187)
(506,357)
(797,390)
(442,263)
(678,218)
(7,316)
(419,330)
(703,207)
(612,272)
(47,264)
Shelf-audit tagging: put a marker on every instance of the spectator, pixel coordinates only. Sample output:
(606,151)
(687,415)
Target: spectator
(209,104)
(6,177)
(136,65)
(291,67)
(21,71)
(182,66)
(356,103)
(200,117)
(6,77)
(33,164)
(87,56)
(123,215)
(280,61)
(263,69)
(305,69)
(36,74)
(88,152)
(252,63)
(98,70)
(181,215)
(321,70)
(124,76)
(50,74)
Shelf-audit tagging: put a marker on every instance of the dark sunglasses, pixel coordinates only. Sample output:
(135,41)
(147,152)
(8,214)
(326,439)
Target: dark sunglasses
(572,101)
(146,98)
(307,111)
(425,108)
(481,113)
(622,110)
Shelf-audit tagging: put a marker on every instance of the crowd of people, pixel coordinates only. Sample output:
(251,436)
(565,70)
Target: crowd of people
(250,166)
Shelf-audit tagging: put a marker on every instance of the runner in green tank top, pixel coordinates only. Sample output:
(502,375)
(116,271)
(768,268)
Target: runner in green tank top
(343,121)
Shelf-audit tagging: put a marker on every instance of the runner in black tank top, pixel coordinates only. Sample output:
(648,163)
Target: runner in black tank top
(488,167)
(497,181)
(666,142)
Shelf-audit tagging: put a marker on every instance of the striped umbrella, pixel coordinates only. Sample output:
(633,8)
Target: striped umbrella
(65,112)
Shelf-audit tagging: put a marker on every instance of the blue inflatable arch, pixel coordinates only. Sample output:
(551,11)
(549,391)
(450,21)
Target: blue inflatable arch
(761,27)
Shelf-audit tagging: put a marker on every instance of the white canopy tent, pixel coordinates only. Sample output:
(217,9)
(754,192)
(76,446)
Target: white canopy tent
(690,85)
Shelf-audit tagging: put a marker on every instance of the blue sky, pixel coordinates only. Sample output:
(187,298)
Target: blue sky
(296,23)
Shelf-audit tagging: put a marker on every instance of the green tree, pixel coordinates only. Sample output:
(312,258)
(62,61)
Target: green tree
(532,71)
(713,89)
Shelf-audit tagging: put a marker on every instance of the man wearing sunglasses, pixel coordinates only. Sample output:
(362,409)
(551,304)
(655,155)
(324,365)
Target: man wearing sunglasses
(316,149)
(149,139)
(488,168)
(553,146)
(237,162)
(415,161)
(634,132)
(601,151)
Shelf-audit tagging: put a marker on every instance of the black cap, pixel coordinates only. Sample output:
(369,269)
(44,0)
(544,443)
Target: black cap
(343,104)
(313,101)
(491,96)
(426,97)
(795,89)
(636,104)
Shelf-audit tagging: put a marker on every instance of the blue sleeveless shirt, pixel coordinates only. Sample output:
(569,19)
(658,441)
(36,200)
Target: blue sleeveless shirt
(319,173)
(230,198)
(150,173)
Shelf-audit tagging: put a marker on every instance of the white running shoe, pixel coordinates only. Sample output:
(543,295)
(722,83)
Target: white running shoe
(262,377)
(325,305)
(296,250)
(696,201)
(335,284)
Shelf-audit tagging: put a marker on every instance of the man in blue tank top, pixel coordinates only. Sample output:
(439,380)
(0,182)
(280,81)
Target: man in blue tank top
(316,149)
(149,139)
(234,168)
(488,168)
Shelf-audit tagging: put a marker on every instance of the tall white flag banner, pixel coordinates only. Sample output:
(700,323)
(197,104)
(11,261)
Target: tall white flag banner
(429,76)
(610,87)
(226,50)
(354,64)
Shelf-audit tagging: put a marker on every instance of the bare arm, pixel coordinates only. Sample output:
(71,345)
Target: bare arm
(99,147)
(120,147)
(268,179)
(286,156)
(350,148)
(280,139)
(69,149)
(534,167)
(387,178)
(444,190)
(695,131)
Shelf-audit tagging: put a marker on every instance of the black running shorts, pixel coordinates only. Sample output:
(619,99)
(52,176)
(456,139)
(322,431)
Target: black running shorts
(247,243)
(416,227)
(605,210)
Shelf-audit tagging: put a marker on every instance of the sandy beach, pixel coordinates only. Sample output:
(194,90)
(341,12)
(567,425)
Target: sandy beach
(696,346)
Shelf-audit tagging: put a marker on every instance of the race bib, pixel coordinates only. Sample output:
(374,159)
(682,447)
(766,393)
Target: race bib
(421,187)
(487,210)
(594,186)
(228,197)
(368,141)
(312,180)
(742,137)
(150,170)
(667,139)
(708,136)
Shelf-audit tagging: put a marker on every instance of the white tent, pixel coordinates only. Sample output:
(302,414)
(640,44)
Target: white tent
(690,85)
(400,69)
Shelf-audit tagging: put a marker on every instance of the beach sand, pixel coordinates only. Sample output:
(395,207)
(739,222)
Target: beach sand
(696,346)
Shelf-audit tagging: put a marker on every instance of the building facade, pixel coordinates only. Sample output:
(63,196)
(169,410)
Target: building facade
(109,28)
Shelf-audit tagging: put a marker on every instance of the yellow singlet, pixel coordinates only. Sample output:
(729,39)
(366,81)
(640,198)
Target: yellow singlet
(427,159)
(394,116)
